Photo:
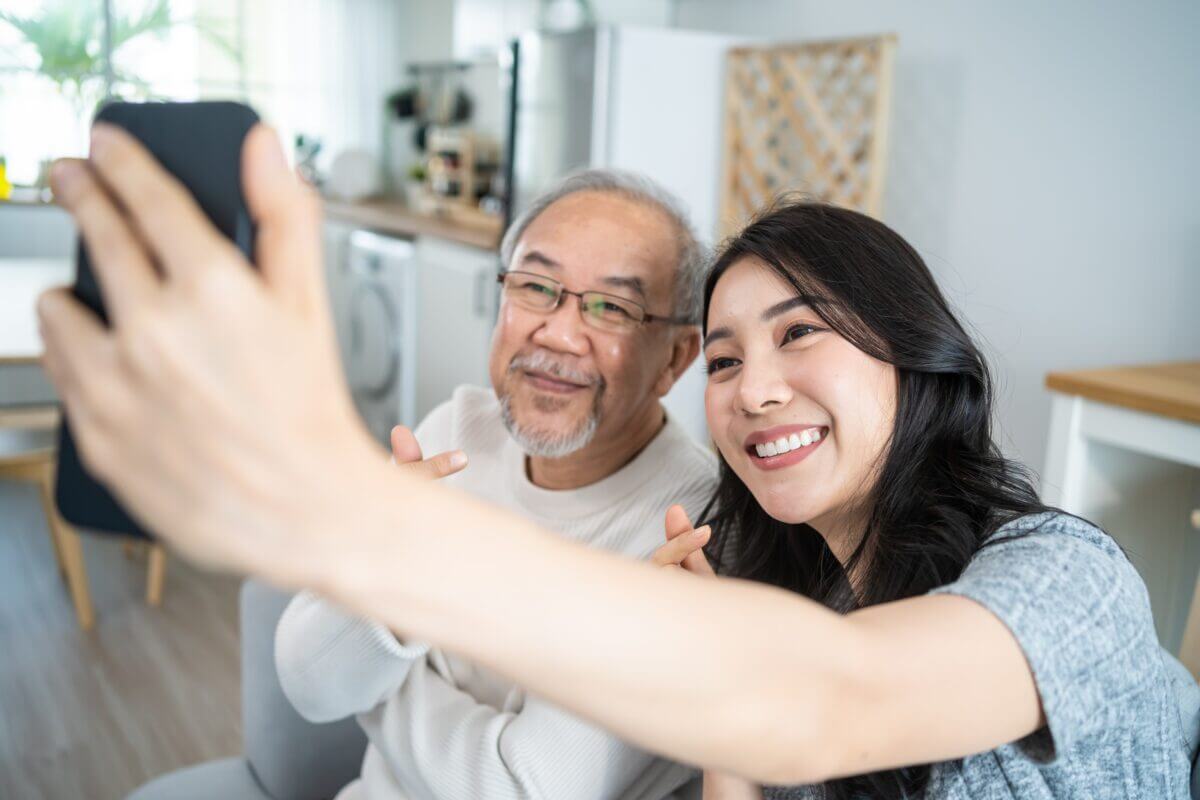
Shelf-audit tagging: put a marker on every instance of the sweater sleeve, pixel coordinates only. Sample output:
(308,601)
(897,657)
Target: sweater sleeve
(332,665)
(1081,615)
(441,743)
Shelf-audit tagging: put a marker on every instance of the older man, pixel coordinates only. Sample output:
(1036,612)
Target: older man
(597,322)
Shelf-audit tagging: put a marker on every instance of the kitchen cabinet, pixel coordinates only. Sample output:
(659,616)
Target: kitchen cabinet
(456,311)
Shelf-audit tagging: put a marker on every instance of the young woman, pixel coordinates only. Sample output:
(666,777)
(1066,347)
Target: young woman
(903,617)
(853,417)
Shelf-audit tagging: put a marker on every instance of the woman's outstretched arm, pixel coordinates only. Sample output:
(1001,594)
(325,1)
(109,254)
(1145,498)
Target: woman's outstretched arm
(215,409)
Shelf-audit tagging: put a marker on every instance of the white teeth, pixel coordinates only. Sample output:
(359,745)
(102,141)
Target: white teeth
(786,444)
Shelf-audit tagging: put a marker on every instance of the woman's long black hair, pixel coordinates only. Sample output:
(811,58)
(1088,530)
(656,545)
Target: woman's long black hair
(943,487)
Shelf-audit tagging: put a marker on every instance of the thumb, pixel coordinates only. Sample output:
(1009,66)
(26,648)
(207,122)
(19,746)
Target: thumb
(405,447)
(287,214)
(439,466)
(677,521)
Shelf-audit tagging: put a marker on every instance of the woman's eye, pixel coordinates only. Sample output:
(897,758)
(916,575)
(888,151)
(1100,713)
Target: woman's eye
(719,363)
(797,332)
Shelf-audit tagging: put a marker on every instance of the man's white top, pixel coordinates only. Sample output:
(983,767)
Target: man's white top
(441,728)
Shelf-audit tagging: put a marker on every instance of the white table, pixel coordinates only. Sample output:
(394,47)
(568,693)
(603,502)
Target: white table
(1124,452)
(21,281)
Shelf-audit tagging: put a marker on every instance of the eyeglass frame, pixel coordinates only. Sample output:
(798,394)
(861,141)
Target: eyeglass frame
(563,291)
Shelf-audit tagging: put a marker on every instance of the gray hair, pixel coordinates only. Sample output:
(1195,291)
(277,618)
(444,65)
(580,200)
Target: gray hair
(693,258)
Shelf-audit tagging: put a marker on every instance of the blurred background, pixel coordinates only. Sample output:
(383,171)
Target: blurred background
(1041,157)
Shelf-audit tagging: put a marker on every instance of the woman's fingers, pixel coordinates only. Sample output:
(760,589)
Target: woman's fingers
(178,233)
(677,549)
(287,215)
(119,262)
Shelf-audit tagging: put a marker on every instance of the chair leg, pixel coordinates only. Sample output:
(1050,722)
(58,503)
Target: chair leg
(69,550)
(154,575)
(48,508)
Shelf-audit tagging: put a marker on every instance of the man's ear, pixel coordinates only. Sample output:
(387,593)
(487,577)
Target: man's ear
(684,349)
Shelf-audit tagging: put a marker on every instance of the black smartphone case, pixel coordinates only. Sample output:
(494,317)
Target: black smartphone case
(200,144)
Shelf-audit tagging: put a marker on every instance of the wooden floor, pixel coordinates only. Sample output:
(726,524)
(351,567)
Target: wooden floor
(148,690)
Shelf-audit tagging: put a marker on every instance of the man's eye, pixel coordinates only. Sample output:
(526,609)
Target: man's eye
(719,363)
(536,288)
(613,308)
(797,332)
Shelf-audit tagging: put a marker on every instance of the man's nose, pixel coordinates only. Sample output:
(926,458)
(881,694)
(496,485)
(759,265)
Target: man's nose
(563,329)
(762,386)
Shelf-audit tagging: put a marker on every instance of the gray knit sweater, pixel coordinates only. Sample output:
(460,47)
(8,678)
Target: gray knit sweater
(1122,714)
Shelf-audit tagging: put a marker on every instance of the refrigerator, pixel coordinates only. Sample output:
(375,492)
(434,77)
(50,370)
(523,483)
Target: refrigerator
(642,99)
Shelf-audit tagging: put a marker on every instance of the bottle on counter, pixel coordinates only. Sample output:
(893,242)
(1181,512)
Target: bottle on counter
(5,184)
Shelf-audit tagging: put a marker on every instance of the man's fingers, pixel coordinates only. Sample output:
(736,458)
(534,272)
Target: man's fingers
(122,269)
(405,448)
(677,522)
(696,563)
(440,466)
(287,214)
(164,212)
(678,548)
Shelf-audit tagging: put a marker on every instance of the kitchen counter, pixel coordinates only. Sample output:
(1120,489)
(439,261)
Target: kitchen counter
(391,216)
(1171,390)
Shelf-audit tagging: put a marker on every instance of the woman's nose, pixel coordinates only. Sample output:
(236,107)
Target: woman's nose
(761,387)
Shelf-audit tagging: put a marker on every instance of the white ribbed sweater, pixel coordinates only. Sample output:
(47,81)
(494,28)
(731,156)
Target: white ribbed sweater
(441,728)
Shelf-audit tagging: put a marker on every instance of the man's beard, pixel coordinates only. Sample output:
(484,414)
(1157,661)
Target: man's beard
(551,444)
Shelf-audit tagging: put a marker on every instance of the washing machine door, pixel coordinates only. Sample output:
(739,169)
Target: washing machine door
(379,337)
(374,344)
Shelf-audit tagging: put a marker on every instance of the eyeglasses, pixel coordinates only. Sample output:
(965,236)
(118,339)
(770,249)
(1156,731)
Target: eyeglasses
(604,311)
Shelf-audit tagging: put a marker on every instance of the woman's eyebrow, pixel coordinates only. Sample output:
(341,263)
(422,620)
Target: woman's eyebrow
(716,334)
(783,307)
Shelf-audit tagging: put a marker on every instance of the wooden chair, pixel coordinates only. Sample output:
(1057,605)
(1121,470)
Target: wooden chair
(28,452)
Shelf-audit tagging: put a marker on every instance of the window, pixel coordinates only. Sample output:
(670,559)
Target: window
(59,59)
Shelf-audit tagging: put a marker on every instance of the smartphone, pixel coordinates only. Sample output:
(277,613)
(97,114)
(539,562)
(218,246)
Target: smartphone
(201,145)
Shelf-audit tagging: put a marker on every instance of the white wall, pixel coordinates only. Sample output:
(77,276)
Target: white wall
(1045,162)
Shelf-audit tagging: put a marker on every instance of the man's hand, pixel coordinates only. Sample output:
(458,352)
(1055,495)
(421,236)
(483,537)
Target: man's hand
(684,543)
(214,406)
(407,452)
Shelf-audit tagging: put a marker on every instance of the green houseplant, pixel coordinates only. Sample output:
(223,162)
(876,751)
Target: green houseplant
(68,37)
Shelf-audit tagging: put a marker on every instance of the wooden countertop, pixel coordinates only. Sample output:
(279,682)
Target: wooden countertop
(387,216)
(21,281)
(390,216)
(1172,390)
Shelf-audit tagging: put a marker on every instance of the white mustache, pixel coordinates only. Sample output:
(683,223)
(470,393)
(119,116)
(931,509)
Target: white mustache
(541,361)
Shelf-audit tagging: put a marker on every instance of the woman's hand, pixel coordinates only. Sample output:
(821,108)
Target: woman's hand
(683,551)
(684,543)
(214,405)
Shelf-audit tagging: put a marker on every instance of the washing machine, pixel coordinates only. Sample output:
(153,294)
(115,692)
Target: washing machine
(373,290)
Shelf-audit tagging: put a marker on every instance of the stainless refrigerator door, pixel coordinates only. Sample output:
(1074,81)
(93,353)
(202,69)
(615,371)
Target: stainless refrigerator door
(556,85)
